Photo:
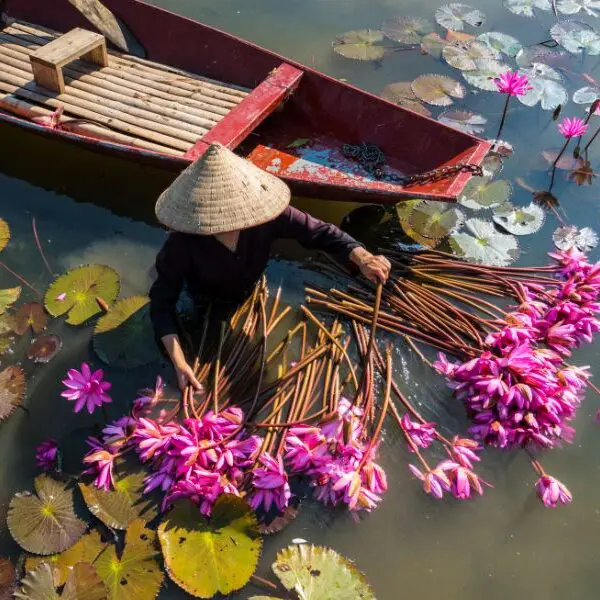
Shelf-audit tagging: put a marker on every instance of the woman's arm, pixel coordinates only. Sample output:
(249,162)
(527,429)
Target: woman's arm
(316,234)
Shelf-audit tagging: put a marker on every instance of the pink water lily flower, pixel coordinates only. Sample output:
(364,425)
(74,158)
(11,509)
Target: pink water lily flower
(46,455)
(435,482)
(572,127)
(86,388)
(101,463)
(422,434)
(512,83)
(552,492)
(270,483)
(148,398)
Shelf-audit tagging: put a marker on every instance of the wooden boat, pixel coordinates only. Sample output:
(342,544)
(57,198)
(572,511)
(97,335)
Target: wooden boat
(200,85)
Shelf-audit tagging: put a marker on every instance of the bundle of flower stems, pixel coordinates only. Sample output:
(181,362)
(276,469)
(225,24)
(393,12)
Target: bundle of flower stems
(511,369)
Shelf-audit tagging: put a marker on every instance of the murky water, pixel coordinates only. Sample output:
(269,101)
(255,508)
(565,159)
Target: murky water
(93,209)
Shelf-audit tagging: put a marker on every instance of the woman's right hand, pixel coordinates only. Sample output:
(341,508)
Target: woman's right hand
(185,377)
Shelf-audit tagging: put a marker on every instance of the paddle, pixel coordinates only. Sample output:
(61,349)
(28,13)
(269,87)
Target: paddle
(109,25)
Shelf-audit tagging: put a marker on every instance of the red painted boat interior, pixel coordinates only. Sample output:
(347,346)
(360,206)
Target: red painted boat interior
(301,141)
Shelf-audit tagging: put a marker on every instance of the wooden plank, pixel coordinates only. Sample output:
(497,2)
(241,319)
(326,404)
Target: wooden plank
(77,43)
(232,129)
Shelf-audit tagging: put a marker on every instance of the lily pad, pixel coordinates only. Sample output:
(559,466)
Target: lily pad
(404,210)
(522,220)
(30,315)
(583,174)
(81,291)
(586,95)
(492,165)
(464,120)
(4,234)
(45,523)
(465,56)
(407,30)
(484,74)
(526,8)
(576,37)
(433,45)
(482,243)
(401,93)
(8,297)
(572,7)
(435,220)
(8,579)
(124,336)
(118,508)
(501,43)
(206,558)
(360,45)
(136,573)
(548,93)
(482,192)
(83,583)
(559,59)
(12,390)
(319,573)
(438,90)
(44,348)
(569,236)
(455,16)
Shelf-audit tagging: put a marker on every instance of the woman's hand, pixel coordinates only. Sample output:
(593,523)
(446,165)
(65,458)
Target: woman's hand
(185,373)
(375,268)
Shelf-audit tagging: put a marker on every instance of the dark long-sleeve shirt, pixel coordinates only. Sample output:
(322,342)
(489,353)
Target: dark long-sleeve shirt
(211,270)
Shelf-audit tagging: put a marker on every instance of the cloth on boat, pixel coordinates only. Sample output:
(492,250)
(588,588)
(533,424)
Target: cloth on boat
(210,270)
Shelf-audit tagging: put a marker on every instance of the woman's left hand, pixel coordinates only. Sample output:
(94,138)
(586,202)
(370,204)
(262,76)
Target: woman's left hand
(375,268)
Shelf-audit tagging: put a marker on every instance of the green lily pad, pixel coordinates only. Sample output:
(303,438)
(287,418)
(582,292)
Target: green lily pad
(12,390)
(586,95)
(454,16)
(546,88)
(484,74)
(137,573)
(218,556)
(118,508)
(8,297)
(569,236)
(463,120)
(124,336)
(435,220)
(465,56)
(438,90)
(521,220)
(30,315)
(86,550)
(572,7)
(4,234)
(576,37)
(433,45)
(482,243)
(526,8)
(360,45)
(407,30)
(319,573)
(482,192)
(45,523)
(80,292)
(8,579)
(83,583)
(404,210)
(401,93)
(501,43)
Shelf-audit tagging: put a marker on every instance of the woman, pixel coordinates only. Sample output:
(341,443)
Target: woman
(224,213)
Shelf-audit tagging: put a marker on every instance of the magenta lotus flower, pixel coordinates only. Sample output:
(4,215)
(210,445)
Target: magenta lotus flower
(118,433)
(463,480)
(101,462)
(464,451)
(572,127)
(512,83)
(552,492)
(46,455)
(148,398)
(86,388)
(422,434)
(270,484)
(435,482)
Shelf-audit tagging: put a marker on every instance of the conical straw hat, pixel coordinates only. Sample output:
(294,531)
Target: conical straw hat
(221,192)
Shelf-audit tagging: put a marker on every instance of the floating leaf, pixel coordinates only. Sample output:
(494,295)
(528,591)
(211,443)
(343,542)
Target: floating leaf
(8,297)
(206,558)
(12,390)
(572,7)
(4,234)
(482,243)
(526,8)
(360,45)
(481,192)
(492,165)
(454,16)
(137,573)
(546,88)
(559,59)
(576,37)
(404,210)
(484,74)
(586,95)
(280,522)
(565,162)
(45,523)
(569,236)
(44,348)
(435,220)
(547,200)
(31,314)
(459,37)
(8,579)
(438,90)
(522,220)
(119,507)
(401,93)
(465,56)
(433,45)
(83,287)
(407,30)
(124,336)
(501,43)
(319,573)
(464,120)
(583,174)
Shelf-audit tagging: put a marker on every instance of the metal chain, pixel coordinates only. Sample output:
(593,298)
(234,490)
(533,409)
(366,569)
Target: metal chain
(441,173)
